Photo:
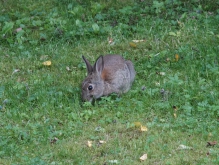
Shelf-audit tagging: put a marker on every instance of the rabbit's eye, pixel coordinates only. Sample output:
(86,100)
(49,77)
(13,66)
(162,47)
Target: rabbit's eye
(90,87)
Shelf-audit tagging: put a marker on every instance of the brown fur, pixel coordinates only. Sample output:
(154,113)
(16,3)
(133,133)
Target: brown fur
(105,75)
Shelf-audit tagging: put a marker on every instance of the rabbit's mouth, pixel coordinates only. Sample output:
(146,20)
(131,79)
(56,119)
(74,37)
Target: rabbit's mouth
(91,99)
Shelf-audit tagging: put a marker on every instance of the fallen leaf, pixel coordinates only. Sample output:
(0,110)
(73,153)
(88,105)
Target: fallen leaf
(15,71)
(67,68)
(132,44)
(144,128)
(102,141)
(175,115)
(177,57)
(110,41)
(183,147)
(136,41)
(143,157)
(47,63)
(113,161)
(89,143)
(137,124)
(161,73)
(211,144)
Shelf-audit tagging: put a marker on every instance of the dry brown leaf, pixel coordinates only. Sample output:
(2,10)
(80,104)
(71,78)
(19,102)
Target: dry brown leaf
(211,144)
(143,157)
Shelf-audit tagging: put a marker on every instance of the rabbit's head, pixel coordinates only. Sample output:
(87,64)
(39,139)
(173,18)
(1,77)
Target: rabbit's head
(93,84)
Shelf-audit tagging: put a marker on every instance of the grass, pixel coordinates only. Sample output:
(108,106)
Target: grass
(44,121)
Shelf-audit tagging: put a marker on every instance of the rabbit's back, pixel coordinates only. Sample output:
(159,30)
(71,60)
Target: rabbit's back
(112,64)
(117,73)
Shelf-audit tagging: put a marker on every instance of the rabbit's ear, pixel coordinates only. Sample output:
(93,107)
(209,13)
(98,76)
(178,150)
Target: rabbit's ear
(88,65)
(99,65)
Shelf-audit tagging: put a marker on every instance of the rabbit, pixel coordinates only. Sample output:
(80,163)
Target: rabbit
(110,74)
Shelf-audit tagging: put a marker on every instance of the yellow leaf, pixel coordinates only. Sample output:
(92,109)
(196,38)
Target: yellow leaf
(89,143)
(175,115)
(137,124)
(143,157)
(47,63)
(144,128)
(132,44)
(177,57)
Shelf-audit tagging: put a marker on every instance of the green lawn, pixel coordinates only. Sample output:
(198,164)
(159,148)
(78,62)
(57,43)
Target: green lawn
(175,94)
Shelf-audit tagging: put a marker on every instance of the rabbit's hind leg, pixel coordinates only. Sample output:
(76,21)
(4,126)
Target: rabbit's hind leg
(131,70)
